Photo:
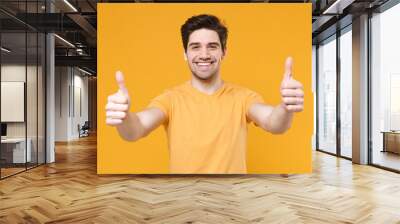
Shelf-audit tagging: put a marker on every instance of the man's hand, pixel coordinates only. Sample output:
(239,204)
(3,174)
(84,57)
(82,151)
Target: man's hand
(291,90)
(118,104)
(278,119)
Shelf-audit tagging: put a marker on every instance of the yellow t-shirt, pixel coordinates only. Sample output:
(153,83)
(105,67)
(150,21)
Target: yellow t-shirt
(206,133)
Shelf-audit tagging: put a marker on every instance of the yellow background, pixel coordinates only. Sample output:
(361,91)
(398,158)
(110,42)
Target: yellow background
(143,41)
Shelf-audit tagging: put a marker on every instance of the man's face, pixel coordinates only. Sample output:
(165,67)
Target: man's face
(204,53)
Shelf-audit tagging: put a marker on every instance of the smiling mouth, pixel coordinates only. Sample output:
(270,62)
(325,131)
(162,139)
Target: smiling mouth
(204,64)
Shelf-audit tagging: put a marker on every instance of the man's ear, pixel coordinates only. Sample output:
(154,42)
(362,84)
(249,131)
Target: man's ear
(184,56)
(224,54)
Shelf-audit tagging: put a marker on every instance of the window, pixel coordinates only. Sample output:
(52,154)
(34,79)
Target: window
(346,92)
(327,95)
(385,88)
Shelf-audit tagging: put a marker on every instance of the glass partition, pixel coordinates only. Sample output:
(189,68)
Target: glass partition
(13,95)
(22,77)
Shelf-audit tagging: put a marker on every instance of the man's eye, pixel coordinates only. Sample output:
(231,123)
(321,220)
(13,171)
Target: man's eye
(195,47)
(213,47)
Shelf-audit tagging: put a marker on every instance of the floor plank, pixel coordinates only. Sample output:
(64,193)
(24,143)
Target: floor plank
(70,191)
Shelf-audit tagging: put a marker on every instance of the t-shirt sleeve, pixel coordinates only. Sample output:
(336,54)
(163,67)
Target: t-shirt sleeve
(251,98)
(162,102)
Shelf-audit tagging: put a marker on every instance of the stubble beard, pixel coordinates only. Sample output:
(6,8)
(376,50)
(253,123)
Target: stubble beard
(208,78)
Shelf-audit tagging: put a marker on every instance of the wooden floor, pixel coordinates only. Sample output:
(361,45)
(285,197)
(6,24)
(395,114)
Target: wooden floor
(70,191)
(5,172)
(387,159)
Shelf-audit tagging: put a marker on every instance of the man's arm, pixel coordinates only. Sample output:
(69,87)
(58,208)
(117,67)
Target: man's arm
(278,119)
(131,126)
(272,119)
(140,124)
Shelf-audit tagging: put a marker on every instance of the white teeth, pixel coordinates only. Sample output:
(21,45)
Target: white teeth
(199,63)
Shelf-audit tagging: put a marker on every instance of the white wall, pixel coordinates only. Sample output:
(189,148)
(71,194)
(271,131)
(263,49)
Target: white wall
(71,93)
(61,103)
(81,84)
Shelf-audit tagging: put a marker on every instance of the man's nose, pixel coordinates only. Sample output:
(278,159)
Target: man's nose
(204,53)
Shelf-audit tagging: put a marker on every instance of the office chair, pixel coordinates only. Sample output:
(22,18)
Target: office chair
(84,130)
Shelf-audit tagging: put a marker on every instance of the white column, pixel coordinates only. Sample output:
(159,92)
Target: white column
(50,92)
(50,110)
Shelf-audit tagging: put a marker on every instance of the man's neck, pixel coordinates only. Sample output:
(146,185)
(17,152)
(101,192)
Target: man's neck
(207,86)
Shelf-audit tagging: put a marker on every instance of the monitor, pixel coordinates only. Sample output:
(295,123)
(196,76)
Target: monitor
(3,129)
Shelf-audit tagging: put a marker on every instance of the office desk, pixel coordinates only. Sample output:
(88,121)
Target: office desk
(15,148)
(391,141)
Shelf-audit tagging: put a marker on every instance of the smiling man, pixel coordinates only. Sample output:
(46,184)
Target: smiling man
(205,118)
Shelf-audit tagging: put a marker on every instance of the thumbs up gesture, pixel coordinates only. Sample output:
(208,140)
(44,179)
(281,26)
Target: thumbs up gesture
(118,104)
(291,90)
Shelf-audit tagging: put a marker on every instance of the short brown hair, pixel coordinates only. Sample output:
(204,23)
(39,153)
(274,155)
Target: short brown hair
(206,21)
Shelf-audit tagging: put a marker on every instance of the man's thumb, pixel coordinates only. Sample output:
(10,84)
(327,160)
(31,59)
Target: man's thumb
(288,68)
(121,83)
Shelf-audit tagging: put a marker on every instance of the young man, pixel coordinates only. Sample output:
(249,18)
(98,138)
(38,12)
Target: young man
(205,118)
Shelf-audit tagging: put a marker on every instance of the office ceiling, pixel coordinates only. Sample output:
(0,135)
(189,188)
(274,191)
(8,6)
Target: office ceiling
(76,22)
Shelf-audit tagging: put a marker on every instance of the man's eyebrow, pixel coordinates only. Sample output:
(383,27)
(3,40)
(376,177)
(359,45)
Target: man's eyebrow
(198,43)
(213,43)
(194,43)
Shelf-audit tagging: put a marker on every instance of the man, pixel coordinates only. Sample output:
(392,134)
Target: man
(205,118)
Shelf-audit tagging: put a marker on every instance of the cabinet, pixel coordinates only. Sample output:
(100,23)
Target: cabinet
(391,141)
(13,150)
